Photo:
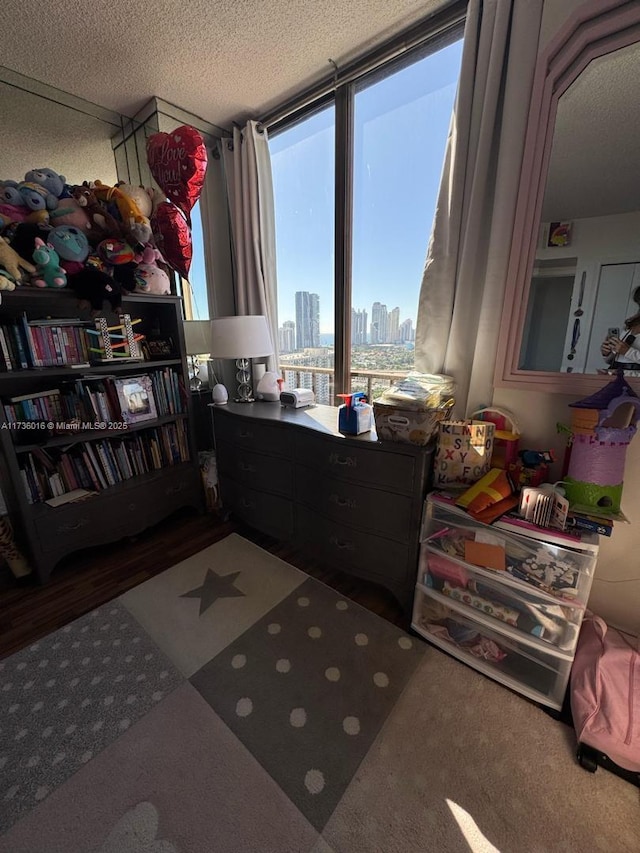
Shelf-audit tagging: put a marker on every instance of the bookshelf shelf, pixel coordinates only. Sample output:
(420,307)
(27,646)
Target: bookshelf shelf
(13,376)
(73,436)
(140,474)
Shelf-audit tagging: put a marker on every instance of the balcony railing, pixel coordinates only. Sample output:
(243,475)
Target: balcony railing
(372,382)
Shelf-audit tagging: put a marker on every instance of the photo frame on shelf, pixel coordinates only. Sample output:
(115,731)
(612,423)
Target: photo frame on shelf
(135,396)
(155,349)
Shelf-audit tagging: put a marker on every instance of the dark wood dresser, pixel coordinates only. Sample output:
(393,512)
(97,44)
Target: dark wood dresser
(355,502)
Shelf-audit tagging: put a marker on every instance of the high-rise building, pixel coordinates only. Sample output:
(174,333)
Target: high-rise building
(394,326)
(358,327)
(405,332)
(379,323)
(287,336)
(307,319)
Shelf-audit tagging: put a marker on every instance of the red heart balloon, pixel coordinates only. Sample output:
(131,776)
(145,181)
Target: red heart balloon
(173,237)
(178,162)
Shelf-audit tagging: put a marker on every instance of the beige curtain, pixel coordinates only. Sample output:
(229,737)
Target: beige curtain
(247,165)
(462,292)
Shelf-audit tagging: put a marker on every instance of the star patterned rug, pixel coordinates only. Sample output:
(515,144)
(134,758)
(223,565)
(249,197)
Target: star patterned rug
(232,703)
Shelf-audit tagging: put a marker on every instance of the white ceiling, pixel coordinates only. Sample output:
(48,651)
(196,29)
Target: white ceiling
(594,169)
(222,60)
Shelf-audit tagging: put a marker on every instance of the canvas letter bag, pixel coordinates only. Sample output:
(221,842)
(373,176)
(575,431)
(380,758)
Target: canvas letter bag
(464,452)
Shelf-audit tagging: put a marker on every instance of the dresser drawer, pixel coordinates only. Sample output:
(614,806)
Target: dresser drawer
(368,465)
(381,512)
(541,676)
(270,514)
(369,556)
(252,435)
(268,473)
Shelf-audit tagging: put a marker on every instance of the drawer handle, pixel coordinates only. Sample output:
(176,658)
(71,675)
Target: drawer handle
(341,546)
(244,433)
(336,459)
(76,525)
(342,502)
(245,466)
(247,504)
(132,507)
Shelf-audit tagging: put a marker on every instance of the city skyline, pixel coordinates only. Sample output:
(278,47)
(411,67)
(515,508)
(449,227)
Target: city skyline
(304,333)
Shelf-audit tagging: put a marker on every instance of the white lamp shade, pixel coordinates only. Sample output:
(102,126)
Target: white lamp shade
(197,338)
(240,337)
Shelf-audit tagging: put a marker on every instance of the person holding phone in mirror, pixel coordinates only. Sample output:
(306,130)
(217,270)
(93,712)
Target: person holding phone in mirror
(623,351)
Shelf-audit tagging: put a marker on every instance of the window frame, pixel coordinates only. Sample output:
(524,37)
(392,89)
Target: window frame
(428,36)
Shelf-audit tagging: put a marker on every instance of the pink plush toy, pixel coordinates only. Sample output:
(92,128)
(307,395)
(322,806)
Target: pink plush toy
(148,275)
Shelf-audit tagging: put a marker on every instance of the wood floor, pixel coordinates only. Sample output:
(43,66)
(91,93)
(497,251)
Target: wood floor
(90,578)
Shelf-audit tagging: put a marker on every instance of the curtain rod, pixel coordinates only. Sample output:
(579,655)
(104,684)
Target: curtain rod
(432,27)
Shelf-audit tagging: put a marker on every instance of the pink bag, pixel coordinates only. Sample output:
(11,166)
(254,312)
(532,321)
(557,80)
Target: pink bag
(605,692)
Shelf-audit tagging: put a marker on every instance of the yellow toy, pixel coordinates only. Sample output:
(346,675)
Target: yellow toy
(134,221)
(11,261)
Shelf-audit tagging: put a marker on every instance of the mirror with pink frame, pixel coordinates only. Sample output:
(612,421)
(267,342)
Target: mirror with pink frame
(574,272)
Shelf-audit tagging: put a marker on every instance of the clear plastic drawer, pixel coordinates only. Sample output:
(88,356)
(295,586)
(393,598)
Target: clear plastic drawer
(541,620)
(541,676)
(547,564)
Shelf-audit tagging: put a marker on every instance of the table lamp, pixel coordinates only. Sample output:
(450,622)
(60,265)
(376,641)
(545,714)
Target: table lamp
(197,342)
(242,338)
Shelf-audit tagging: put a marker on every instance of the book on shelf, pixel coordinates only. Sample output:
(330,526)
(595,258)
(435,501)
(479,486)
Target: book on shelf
(27,344)
(70,497)
(98,399)
(96,465)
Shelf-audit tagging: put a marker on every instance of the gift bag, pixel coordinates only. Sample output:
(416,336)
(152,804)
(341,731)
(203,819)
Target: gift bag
(464,452)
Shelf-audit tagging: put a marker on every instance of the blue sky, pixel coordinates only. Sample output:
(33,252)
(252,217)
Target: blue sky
(401,127)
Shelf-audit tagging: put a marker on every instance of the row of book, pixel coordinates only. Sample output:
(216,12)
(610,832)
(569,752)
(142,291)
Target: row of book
(43,343)
(49,473)
(107,399)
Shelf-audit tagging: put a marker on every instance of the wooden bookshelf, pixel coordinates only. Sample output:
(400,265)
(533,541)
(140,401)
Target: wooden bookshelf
(137,498)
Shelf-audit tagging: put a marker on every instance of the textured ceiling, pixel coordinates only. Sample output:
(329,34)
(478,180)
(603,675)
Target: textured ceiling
(594,168)
(222,60)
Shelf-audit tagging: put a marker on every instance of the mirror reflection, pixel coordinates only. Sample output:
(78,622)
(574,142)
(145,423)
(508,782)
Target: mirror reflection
(583,312)
(37,131)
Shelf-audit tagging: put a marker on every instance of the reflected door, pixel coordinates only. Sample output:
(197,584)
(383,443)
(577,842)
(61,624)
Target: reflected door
(616,285)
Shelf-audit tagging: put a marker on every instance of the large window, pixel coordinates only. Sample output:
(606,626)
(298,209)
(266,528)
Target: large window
(196,305)
(381,172)
(400,132)
(303,165)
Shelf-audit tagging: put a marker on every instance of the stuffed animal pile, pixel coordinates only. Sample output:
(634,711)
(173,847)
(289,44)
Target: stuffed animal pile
(92,238)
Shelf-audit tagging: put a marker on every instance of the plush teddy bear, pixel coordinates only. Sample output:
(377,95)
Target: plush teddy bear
(49,272)
(101,223)
(69,212)
(139,196)
(149,277)
(11,261)
(10,194)
(53,182)
(6,282)
(135,225)
(37,197)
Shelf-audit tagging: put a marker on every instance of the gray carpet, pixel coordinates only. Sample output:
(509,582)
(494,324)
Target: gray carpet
(234,705)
